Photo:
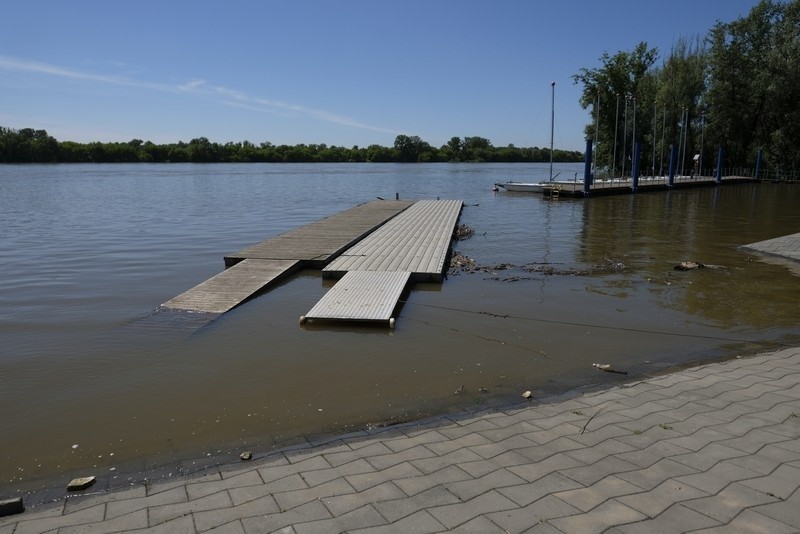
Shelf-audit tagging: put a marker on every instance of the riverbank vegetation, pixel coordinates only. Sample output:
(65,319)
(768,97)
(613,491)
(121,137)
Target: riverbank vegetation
(737,89)
(36,146)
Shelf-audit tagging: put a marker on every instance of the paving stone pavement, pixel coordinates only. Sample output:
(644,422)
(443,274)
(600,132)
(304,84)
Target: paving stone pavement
(712,448)
(787,246)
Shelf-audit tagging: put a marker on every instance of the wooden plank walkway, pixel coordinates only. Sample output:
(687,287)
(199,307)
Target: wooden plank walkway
(361,296)
(319,242)
(416,241)
(255,268)
(233,286)
(374,272)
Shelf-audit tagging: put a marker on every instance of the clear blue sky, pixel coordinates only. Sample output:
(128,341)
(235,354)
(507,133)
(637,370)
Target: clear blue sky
(348,72)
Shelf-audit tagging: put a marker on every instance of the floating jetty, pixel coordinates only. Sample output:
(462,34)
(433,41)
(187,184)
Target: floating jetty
(375,248)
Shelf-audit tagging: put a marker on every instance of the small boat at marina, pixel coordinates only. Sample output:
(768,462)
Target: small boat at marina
(537,187)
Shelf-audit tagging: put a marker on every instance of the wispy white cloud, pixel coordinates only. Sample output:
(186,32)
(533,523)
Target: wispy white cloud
(196,87)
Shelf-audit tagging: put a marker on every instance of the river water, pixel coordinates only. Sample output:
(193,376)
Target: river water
(94,379)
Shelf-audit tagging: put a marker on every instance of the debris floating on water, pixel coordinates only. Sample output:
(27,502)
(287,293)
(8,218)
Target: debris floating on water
(607,367)
(527,395)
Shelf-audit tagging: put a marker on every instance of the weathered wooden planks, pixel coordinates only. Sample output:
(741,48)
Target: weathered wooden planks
(361,296)
(319,242)
(416,241)
(233,286)
(255,268)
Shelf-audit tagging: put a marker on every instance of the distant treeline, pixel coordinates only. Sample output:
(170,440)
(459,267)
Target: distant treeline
(36,146)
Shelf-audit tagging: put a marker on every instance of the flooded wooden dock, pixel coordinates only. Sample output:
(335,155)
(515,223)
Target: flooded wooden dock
(259,266)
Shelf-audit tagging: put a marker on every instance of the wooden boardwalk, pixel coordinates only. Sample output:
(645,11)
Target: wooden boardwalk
(255,268)
(417,241)
(318,243)
(374,272)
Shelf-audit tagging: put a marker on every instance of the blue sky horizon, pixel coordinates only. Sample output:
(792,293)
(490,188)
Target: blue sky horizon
(345,73)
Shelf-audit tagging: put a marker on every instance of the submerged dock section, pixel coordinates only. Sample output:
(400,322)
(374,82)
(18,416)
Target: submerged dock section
(255,268)
(411,247)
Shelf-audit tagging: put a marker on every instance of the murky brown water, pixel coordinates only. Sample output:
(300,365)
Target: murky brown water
(89,252)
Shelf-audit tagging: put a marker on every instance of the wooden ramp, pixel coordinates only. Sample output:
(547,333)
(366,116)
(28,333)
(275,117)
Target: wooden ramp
(232,286)
(255,268)
(317,243)
(361,296)
(374,272)
(416,241)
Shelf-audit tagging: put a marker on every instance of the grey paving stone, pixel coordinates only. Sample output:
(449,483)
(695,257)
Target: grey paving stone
(453,515)
(525,494)
(367,480)
(750,521)
(540,452)
(342,504)
(646,454)
(473,427)
(44,524)
(781,483)
(234,527)
(208,519)
(320,476)
(404,442)
(363,517)
(492,449)
(503,432)
(537,470)
(479,525)
(202,489)
(118,508)
(609,514)
(753,440)
(292,499)
(468,440)
(709,455)
(81,502)
(481,467)
(394,510)
(699,439)
(161,486)
(164,513)
(590,438)
(541,511)
(413,485)
(181,525)
(373,449)
(421,523)
(717,477)
(435,463)
(587,498)
(547,435)
(125,523)
(604,449)
(676,518)
(725,505)
(468,489)
(260,524)
(388,460)
(657,473)
(784,512)
(250,493)
(655,501)
(333,447)
(767,459)
(268,474)
(589,474)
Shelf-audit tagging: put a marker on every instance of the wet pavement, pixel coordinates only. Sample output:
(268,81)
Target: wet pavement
(712,447)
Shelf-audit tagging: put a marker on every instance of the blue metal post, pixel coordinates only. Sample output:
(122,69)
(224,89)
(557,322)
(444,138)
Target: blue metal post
(635,168)
(719,166)
(758,165)
(587,169)
(672,155)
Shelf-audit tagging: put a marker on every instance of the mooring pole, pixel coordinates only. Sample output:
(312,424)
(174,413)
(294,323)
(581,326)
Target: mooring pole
(635,166)
(671,181)
(587,169)
(719,166)
(758,165)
